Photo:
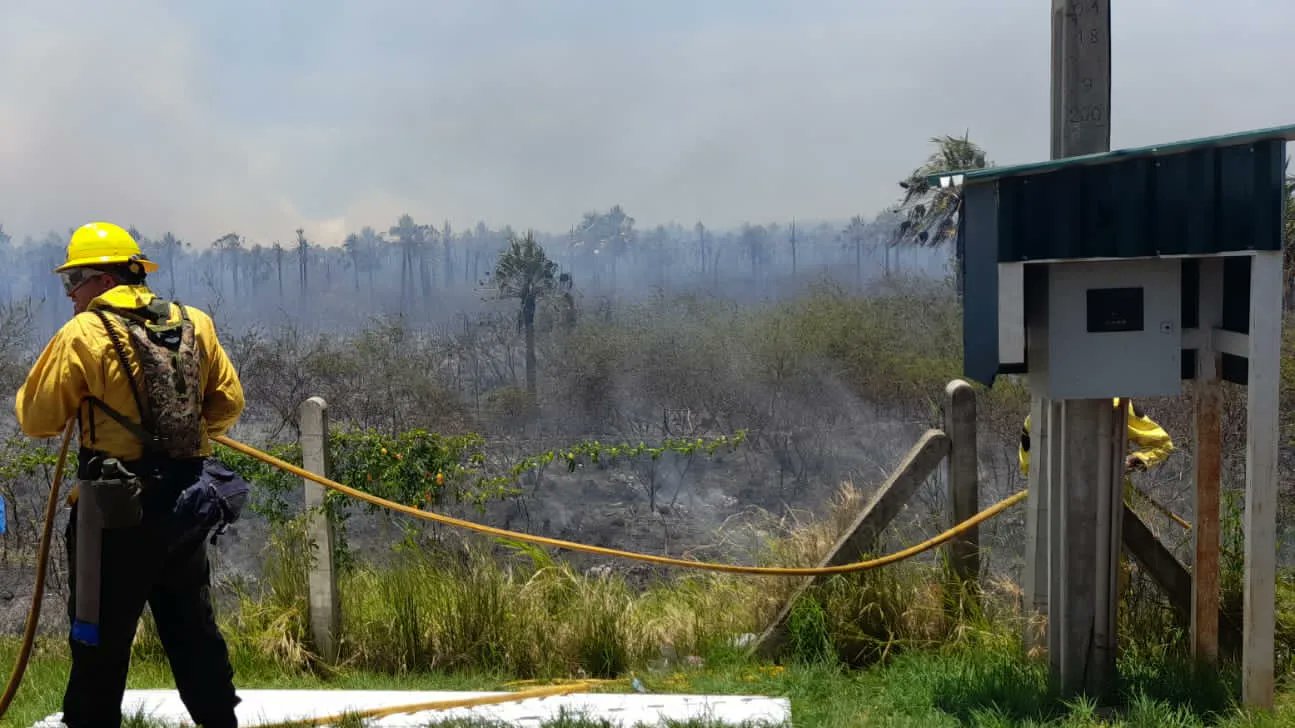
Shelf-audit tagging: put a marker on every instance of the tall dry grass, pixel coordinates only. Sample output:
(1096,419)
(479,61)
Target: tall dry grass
(514,609)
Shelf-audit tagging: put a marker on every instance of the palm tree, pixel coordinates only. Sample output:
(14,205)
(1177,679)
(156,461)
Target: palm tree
(700,229)
(793,247)
(755,240)
(425,249)
(409,236)
(606,237)
(303,261)
(931,213)
(447,248)
(230,247)
(857,233)
(170,246)
(371,244)
(525,272)
(278,266)
(258,267)
(354,252)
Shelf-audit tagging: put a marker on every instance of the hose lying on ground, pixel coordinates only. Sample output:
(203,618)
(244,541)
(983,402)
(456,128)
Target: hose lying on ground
(543,692)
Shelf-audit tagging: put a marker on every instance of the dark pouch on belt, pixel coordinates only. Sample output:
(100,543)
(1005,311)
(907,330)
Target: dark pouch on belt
(216,500)
(115,495)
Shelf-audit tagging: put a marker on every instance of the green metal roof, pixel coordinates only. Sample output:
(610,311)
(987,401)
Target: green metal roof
(1286,133)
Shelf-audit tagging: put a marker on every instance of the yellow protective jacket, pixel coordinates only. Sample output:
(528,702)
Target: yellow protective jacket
(79,362)
(1152,442)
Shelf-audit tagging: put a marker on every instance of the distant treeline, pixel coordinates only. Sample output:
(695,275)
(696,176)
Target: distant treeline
(430,273)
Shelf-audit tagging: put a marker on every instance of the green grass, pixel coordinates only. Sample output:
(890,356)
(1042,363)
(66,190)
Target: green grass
(876,648)
(978,684)
(518,611)
(526,616)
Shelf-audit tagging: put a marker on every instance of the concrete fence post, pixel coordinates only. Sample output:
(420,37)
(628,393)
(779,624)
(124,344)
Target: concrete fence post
(963,480)
(324,612)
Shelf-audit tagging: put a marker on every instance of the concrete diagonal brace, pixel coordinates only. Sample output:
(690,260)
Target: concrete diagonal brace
(862,535)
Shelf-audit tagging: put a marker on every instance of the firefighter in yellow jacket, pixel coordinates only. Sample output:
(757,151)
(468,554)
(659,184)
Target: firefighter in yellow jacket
(1152,444)
(148,383)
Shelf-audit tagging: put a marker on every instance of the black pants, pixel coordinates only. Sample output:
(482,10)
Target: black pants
(153,563)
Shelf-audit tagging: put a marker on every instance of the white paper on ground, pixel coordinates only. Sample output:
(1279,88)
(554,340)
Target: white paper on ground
(261,707)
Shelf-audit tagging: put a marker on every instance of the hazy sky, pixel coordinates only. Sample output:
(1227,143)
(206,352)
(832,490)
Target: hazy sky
(262,117)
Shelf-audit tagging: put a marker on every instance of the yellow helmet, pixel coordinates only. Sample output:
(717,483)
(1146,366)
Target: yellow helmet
(102,243)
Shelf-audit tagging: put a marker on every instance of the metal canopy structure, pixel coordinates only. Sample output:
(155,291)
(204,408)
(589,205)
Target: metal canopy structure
(1124,274)
(1215,196)
(944,179)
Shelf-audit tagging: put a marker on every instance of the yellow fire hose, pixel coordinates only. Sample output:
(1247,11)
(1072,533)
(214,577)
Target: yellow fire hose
(888,559)
(1184,523)
(33,617)
(543,692)
(42,558)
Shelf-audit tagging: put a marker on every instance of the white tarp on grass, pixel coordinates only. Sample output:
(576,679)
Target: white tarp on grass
(261,707)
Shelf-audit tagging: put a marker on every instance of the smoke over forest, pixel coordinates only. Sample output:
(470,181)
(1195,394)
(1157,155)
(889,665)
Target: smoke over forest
(432,273)
(666,331)
(665,278)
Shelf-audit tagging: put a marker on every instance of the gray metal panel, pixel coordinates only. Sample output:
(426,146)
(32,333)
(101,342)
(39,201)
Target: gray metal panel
(1145,363)
(979,229)
(1011,316)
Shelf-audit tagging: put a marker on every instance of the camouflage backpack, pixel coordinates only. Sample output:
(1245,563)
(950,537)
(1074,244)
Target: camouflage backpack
(171,405)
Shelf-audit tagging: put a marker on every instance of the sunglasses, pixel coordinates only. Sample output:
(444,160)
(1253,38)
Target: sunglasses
(77,277)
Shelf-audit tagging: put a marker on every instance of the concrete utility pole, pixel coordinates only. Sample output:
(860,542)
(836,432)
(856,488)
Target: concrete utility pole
(1081,77)
(1076,463)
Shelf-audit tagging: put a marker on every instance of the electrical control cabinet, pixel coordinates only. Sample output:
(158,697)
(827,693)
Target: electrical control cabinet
(1114,328)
